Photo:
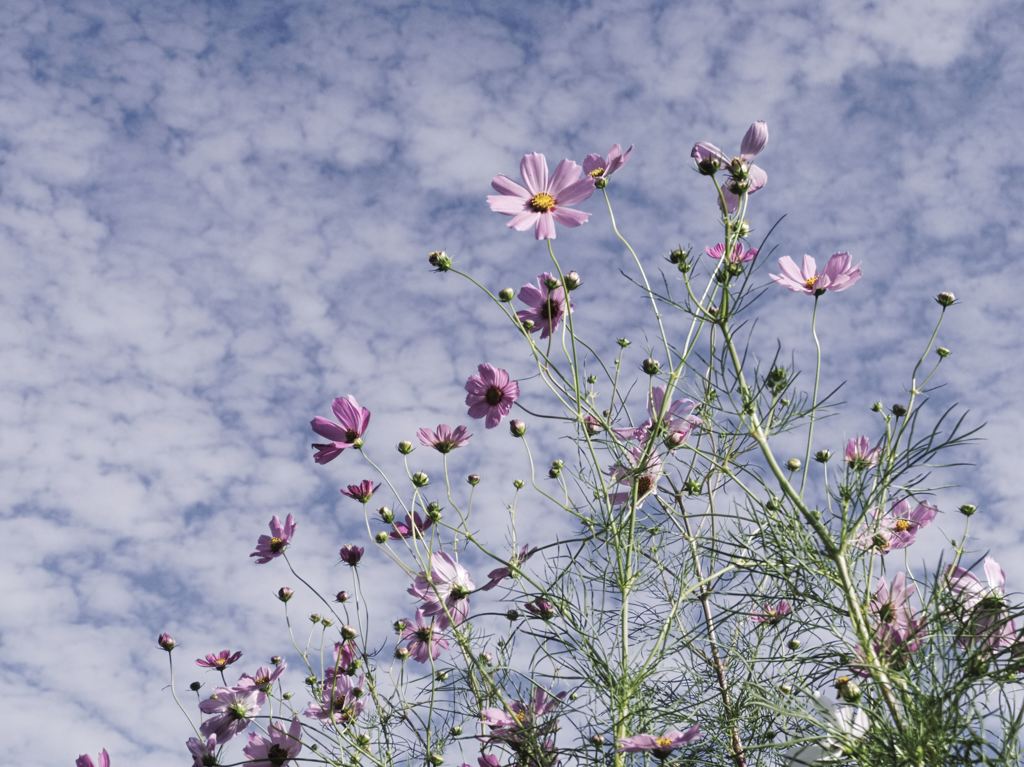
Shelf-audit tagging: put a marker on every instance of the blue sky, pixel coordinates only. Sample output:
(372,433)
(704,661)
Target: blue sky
(214,218)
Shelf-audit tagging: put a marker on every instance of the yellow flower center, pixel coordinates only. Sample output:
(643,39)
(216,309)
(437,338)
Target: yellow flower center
(542,202)
(902,525)
(663,742)
(276,544)
(810,282)
(596,172)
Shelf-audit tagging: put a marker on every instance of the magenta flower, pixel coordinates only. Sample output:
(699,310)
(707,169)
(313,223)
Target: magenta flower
(203,753)
(444,589)
(739,254)
(661,746)
(341,701)
(839,274)
(859,454)
(988,620)
(362,492)
(744,176)
(220,661)
(539,203)
(898,528)
(232,709)
(547,304)
(499,574)
(278,749)
(596,166)
(263,679)
(425,641)
(412,527)
(490,394)
(352,422)
(522,722)
(541,608)
(272,546)
(351,554)
(345,654)
(86,761)
(772,614)
(444,439)
(166,642)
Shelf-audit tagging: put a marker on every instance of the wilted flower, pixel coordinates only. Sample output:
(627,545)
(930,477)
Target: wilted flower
(547,305)
(276,750)
(860,455)
(772,614)
(444,589)
(490,394)
(661,746)
(540,203)
(744,176)
(444,439)
(499,574)
(232,709)
(988,620)
(86,761)
(220,661)
(739,254)
(271,546)
(898,528)
(425,641)
(596,166)
(204,753)
(412,526)
(351,554)
(838,275)
(352,422)
(362,492)
(541,608)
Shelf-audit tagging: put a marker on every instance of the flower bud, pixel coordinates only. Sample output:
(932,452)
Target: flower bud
(943,352)
(600,183)
(517,427)
(529,325)
(691,487)
(597,740)
(945,299)
(473,480)
(742,228)
(518,484)
(434,511)
(166,642)
(822,456)
(327,622)
(347,632)
(288,696)
(623,342)
(404,447)
(650,366)
(400,625)
(794,644)
(967,509)
(898,410)
(284,593)
(341,596)
(678,256)
(402,653)
(441,676)
(386,515)
(506,294)
(381,537)
(195,686)
(310,680)
(708,166)
(675,439)
(351,554)
(555,471)
(486,658)
(439,260)
(848,689)
(435,759)
(512,615)
(551,283)
(456,731)
(314,618)
(773,504)
(420,479)
(785,689)
(793,464)
(572,281)
(276,660)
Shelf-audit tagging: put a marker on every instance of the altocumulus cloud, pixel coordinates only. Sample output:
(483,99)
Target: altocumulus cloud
(213,219)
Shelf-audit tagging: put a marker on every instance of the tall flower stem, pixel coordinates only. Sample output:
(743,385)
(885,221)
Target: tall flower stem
(814,396)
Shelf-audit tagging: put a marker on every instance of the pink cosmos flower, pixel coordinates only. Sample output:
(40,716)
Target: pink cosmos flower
(898,528)
(271,546)
(898,630)
(232,709)
(547,305)
(772,614)
(86,761)
(661,746)
(499,574)
(522,722)
(490,394)
(276,751)
(341,701)
(444,439)
(988,620)
(345,654)
(739,255)
(540,203)
(220,661)
(351,554)
(444,589)
(425,641)
(413,526)
(839,274)
(646,477)
(203,753)
(859,454)
(263,679)
(596,166)
(485,760)
(362,492)
(352,422)
(891,604)
(541,608)
(743,174)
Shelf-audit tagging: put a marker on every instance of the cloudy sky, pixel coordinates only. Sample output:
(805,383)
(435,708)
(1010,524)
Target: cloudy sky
(214,218)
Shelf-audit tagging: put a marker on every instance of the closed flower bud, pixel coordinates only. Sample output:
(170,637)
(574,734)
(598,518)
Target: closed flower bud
(794,644)
(287,696)
(773,504)
(327,622)
(551,283)
(822,456)
(166,642)
(473,480)
(968,509)
(650,366)
(276,660)
(591,379)
(456,731)
(597,740)
(386,515)
(405,447)
(572,281)
(441,676)
(341,596)
(506,294)
(742,228)
(623,342)
(785,689)
(399,625)
(898,410)
(848,689)
(310,680)
(517,427)
(678,256)
(691,487)
(402,653)
(943,352)
(381,537)
(347,632)
(512,615)
(314,618)
(945,299)
(434,511)
(195,686)
(486,658)
(284,593)
(529,325)
(435,759)
(600,183)
(793,464)
(420,479)
(518,484)
(439,260)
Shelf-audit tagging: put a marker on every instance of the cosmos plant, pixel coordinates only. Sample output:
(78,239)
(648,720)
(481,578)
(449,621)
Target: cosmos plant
(713,589)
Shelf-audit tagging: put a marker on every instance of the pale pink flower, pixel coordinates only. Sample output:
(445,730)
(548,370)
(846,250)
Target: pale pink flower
(444,438)
(646,477)
(521,722)
(444,589)
(541,202)
(425,640)
(204,753)
(263,679)
(743,174)
(547,305)
(278,749)
(898,630)
(898,528)
(491,393)
(232,708)
(341,701)
(352,422)
(660,746)
(739,254)
(838,275)
(271,546)
(859,454)
(596,166)
(85,760)
(499,574)
(413,526)
(988,619)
